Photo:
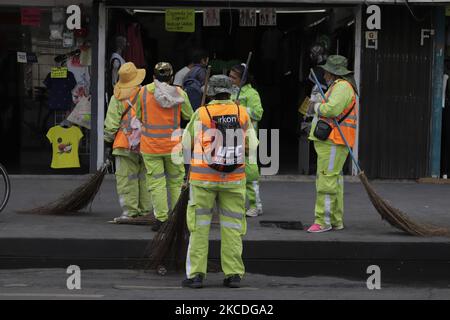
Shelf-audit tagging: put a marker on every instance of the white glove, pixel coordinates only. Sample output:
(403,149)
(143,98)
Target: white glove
(316,107)
(316,97)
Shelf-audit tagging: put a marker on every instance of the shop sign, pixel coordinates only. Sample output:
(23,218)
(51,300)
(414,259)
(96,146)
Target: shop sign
(268,17)
(211,17)
(373,21)
(58,72)
(21,57)
(373,24)
(30,17)
(425,34)
(372,40)
(247,17)
(74,19)
(32,57)
(180,20)
(26,57)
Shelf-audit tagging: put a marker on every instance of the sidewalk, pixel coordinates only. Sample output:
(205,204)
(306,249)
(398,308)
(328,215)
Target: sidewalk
(87,239)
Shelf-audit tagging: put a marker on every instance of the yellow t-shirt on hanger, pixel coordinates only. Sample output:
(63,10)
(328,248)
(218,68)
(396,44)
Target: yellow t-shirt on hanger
(65,142)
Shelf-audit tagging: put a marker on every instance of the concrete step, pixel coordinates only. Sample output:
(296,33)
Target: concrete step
(398,261)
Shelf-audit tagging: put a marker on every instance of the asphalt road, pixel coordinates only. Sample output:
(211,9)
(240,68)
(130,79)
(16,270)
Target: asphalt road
(137,285)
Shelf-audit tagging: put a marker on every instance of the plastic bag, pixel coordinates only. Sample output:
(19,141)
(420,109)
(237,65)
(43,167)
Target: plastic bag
(167,95)
(81,114)
(134,138)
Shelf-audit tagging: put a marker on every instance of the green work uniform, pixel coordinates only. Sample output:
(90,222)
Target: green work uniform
(134,198)
(329,209)
(250,99)
(162,172)
(230,197)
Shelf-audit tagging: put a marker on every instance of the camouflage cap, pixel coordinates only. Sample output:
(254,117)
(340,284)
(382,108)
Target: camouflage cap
(219,84)
(336,65)
(163,69)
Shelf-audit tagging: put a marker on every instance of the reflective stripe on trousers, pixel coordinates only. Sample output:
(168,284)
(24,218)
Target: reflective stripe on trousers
(327,196)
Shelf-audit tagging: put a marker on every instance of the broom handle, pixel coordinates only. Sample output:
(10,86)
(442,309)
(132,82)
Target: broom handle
(244,75)
(208,73)
(337,124)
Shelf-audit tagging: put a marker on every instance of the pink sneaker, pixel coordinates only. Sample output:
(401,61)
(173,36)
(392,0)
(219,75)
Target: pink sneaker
(316,228)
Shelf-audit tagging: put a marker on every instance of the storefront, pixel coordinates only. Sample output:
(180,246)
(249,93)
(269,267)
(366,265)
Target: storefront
(281,51)
(398,58)
(45,74)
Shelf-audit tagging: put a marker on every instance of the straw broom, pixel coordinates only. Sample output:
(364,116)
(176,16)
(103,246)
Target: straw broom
(393,216)
(168,248)
(76,200)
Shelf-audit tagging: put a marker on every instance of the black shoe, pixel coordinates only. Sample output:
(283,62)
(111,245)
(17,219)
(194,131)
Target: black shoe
(233,281)
(195,283)
(157,225)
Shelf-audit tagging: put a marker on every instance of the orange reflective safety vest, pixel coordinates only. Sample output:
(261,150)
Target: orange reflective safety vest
(199,166)
(348,126)
(161,133)
(121,140)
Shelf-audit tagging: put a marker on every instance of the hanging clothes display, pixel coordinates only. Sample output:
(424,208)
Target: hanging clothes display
(135,50)
(65,142)
(60,91)
(82,78)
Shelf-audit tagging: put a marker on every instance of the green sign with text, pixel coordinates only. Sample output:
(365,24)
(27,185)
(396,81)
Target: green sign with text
(180,20)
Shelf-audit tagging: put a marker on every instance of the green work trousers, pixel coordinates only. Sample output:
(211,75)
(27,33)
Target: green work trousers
(134,197)
(252,187)
(233,225)
(329,210)
(163,174)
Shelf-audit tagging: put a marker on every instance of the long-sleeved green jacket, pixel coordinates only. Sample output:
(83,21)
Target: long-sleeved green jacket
(340,97)
(250,99)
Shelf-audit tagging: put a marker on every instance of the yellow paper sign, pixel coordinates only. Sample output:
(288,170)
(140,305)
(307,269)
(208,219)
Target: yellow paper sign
(447,11)
(180,20)
(58,72)
(303,108)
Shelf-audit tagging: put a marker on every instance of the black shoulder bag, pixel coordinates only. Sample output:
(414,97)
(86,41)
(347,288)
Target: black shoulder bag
(323,128)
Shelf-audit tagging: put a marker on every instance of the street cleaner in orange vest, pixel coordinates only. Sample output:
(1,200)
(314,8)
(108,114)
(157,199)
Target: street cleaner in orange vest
(330,148)
(160,107)
(221,135)
(121,138)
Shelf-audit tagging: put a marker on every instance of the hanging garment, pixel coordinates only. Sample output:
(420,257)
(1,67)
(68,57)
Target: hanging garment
(65,143)
(82,77)
(135,50)
(60,91)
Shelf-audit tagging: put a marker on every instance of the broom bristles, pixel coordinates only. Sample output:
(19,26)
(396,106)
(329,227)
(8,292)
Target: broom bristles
(76,200)
(169,246)
(397,218)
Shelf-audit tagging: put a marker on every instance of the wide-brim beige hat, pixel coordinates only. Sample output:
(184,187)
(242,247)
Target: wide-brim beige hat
(130,76)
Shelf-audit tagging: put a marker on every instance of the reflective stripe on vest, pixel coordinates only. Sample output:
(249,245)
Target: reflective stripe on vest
(159,126)
(199,167)
(348,126)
